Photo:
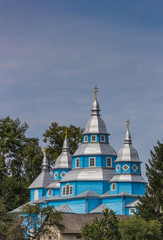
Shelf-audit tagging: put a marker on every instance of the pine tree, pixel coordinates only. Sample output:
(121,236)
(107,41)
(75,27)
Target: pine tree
(151,205)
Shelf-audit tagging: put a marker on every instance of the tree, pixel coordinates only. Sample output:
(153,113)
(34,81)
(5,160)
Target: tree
(20,161)
(137,228)
(151,205)
(55,135)
(37,221)
(104,229)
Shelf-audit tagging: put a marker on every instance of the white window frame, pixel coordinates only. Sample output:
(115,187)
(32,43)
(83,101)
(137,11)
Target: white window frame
(92,136)
(49,192)
(118,166)
(56,175)
(77,160)
(107,161)
(85,138)
(67,190)
(94,161)
(113,184)
(132,210)
(36,194)
(62,174)
(101,138)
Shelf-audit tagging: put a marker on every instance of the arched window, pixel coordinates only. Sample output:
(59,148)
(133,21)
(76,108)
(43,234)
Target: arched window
(67,189)
(36,194)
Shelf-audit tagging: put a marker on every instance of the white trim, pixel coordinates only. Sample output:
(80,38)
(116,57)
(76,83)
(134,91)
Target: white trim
(118,166)
(64,191)
(63,173)
(85,138)
(113,186)
(102,136)
(132,210)
(77,159)
(108,158)
(92,136)
(94,161)
(124,167)
(67,190)
(55,175)
(134,167)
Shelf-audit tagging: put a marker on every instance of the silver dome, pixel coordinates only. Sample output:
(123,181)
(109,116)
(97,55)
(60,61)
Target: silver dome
(127,153)
(64,160)
(95,124)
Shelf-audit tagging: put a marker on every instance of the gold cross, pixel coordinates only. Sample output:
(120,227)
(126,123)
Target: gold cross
(44,151)
(66,133)
(96,89)
(128,123)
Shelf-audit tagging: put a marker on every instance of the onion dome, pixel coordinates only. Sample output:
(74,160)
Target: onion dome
(64,160)
(95,124)
(45,178)
(127,153)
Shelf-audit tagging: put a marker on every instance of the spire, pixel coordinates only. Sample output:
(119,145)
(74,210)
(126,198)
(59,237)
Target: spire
(45,161)
(128,139)
(65,147)
(95,105)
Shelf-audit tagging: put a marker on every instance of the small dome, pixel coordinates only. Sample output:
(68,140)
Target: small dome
(95,124)
(64,160)
(127,152)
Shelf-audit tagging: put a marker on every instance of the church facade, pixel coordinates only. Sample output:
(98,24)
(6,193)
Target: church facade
(95,177)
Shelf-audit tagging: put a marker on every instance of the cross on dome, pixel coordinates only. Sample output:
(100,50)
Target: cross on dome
(66,132)
(128,123)
(96,90)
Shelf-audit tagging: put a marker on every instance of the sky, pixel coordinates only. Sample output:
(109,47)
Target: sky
(53,53)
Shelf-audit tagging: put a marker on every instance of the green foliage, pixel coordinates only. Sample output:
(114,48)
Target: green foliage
(137,228)
(20,161)
(151,205)
(105,228)
(55,135)
(37,221)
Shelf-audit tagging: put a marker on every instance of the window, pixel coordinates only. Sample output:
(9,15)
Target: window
(62,174)
(56,175)
(91,161)
(134,167)
(125,167)
(118,168)
(64,191)
(36,194)
(102,138)
(85,139)
(93,138)
(113,186)
(49,192)
(77,162)
(108,161)
(132,210)
(67,190)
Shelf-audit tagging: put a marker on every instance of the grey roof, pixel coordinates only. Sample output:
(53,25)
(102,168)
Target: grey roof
(95,124)
(88,193)
(42,181)
(127,178)
(100,208)
(97,148)
(133,203)
(64,208)
(89,174)
(19,209)
(127,153)
(64,160)
(54,184)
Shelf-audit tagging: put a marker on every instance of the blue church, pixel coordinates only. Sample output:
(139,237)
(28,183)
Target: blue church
(95,177)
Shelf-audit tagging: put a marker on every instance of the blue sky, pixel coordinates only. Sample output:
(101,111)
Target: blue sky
(52,53)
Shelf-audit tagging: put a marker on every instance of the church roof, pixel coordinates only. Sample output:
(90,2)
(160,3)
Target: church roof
(133,203)
(64,208)
(64,160)
(45,178)
(127,153)
(95,124)
(89,174)
(127,178)
(99,209)
(54,184)
(95,148)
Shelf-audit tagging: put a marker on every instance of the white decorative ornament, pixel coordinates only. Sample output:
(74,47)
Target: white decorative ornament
(62,174)
(134,167)
(56,175)
(118,168)
(125,167)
